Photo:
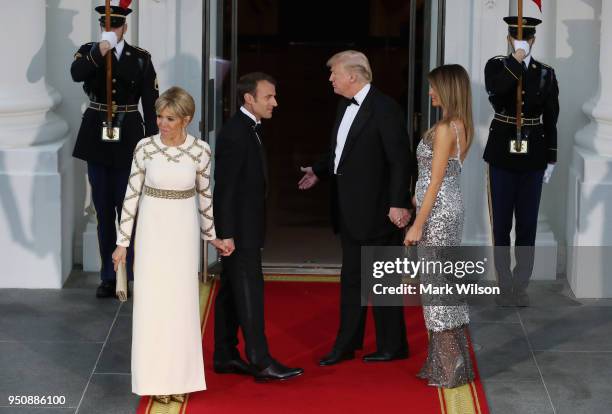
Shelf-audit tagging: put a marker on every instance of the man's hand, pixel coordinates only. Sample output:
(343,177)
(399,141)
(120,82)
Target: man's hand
(107,42)
(229,246)
(399,216)
(521,49)
(308,180)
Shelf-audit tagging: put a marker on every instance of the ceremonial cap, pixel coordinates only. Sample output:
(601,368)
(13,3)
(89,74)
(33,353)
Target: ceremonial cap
(529,26)
(119,10)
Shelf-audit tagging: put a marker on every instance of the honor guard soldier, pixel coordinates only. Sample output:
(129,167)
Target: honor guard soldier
(519,162)
(109,155)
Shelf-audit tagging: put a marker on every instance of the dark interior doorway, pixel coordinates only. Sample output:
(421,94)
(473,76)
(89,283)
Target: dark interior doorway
(292,41)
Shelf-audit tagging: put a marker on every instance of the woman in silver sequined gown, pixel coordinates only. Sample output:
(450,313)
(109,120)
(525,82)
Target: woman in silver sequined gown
(439,222)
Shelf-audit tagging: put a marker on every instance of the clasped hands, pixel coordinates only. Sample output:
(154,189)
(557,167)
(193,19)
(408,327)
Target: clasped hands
(225,247)
(399,216)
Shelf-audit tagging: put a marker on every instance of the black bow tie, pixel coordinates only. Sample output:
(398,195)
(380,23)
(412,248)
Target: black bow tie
(352,101)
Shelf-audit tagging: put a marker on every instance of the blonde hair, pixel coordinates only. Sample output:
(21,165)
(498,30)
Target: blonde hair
(452,84)
(178,101)
(353,61)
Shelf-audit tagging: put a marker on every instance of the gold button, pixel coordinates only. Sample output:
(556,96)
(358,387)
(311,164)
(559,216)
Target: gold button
(114,91)
(523,92)
(114,80)
(114,102)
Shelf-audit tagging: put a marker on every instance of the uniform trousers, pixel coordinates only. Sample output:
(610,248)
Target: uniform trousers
(108,187)
(514,195)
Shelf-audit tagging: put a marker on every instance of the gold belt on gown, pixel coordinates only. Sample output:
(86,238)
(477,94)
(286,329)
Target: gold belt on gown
(169,194)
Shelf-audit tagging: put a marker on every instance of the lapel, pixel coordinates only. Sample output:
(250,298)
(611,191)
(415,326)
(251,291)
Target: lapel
(256,140)
(364,113)
(252,135)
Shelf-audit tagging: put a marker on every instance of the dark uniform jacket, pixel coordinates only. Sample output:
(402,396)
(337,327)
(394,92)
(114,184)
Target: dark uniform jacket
(373,173)
(240,183)
(540,99)
(134,78)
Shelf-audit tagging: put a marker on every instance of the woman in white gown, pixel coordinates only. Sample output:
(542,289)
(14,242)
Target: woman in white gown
(170,171)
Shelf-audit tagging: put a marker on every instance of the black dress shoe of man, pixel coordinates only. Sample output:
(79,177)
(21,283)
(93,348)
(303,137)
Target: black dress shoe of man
(233,366)
(277,372)
(335,357)
(385,356)
(522,299)
(106,289)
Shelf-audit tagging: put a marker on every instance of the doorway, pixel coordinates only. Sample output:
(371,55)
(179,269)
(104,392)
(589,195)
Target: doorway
(292,41)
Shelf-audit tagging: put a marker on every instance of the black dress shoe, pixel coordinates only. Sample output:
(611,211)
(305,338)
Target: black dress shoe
(522,299)
(277,372)
(233,366)
(335,357)
(385,356)
(106,289)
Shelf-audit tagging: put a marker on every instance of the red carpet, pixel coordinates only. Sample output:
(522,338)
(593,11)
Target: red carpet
(301,323)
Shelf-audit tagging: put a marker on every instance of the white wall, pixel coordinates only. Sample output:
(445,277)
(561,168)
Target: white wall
(575,57)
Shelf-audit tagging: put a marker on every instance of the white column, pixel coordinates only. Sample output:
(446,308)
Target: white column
(35,240)
(590,184)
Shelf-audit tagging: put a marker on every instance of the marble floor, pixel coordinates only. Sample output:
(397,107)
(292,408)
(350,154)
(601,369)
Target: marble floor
(553,357)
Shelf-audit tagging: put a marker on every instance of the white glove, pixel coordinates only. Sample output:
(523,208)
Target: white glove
(522,44)
(548,173)
(110,37)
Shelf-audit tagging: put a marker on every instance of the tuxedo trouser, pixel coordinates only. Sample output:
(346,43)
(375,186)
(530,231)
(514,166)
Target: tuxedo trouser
(108,187)
(240,304)
(514,194)
(389,320)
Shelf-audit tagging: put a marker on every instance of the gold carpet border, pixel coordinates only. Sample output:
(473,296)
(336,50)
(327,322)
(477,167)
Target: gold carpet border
(441,398)
(205,290)
(460,400)
(302,278)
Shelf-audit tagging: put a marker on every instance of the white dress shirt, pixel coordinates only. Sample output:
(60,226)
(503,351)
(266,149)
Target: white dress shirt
(527,60)
(345,124)
(250,115)
(119,49)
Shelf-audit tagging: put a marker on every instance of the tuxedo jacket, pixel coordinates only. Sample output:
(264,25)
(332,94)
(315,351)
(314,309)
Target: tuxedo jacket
(373,174)
(240,183)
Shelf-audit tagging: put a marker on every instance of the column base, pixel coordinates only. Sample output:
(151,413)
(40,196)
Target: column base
(91,250)
(37,213)
(589,256)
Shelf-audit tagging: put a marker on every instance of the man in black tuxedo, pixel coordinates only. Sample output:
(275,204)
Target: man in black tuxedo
(368,162)
(239,204)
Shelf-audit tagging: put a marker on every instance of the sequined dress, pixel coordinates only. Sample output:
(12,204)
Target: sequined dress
(169,195)
(448,361)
